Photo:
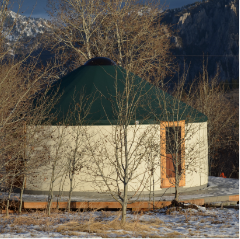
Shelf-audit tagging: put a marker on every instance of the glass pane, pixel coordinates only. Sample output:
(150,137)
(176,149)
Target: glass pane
(173,145)
(173,135)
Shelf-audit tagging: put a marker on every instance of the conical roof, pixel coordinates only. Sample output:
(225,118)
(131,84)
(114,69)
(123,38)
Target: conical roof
(104,86)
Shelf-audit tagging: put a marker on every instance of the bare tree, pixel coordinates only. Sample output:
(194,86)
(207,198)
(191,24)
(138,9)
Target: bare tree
(77,157)
(65,148)
(119,150)
(34,138)
(129,33)
(56,163)
(182,149)
(152,161)
(209,97)
(21,81)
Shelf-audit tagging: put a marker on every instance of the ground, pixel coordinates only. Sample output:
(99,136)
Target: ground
(200,222)
(166,222)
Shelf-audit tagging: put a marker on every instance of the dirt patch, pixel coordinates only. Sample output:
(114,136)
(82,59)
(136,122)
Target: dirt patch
(178,206)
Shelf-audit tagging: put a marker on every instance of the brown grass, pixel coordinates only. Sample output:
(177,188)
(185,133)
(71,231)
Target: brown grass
(37,218)
(102,228)
(105,226)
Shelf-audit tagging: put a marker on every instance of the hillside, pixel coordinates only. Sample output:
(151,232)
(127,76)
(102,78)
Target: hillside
(210,28)
(23,27)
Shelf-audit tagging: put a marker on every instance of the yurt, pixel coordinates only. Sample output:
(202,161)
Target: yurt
(103,112)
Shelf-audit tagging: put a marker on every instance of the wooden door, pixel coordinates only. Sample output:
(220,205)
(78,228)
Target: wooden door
(172,144)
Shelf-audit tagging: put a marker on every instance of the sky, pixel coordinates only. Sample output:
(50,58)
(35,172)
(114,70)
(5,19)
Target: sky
(37,8)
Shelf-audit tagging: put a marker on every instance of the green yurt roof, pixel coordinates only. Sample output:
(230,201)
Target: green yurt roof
(95,94)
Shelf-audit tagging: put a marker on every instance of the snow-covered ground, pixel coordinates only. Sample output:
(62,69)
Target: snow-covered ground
(204,222)
(217,186)
(161,223)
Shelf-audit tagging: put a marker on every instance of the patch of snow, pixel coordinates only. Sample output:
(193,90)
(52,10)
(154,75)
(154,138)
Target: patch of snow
(184,17)
(17,26)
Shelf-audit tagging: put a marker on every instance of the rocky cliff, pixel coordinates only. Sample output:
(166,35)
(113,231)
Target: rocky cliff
(23,27)
(209,28)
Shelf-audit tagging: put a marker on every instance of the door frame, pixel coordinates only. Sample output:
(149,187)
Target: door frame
(165,181)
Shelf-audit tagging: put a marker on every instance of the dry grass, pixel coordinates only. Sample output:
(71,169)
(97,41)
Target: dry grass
(105,227)
(37,218)
(156,222)
(108,224)
(233,97)
(172,235)
(104,224)
(30,221)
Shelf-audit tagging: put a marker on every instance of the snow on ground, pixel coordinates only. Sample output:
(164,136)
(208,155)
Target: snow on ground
(225,186)
(204,222)
(217,186)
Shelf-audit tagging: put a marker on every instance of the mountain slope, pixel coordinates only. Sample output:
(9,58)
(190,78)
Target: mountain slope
(210,28)
(23,26)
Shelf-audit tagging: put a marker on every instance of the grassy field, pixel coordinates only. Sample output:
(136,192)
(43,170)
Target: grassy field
(200,222)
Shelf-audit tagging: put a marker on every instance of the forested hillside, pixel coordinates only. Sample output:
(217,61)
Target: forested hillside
(209,28)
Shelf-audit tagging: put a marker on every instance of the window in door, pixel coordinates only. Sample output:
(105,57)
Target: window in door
(173,150)
(172,144)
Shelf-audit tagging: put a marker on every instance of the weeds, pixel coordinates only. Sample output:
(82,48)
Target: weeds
(104,227)
(108,224)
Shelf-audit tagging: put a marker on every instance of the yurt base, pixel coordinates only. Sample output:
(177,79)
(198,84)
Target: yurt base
(136,206)
(226,202)
(221,192)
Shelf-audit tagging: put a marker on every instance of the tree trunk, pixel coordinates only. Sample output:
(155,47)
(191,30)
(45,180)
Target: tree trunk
(209,155)
(124,214)
(49,202)
(149,203)
(70,193)
(124,205)
(119,45)
(7,213)
(176,192)
(60,192)
(177,176)
(50,196)
(125,192)
(9,195)
(21,194)
(153,193)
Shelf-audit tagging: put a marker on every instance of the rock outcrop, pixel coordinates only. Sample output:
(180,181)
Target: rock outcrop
(22,27)
(209,28)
